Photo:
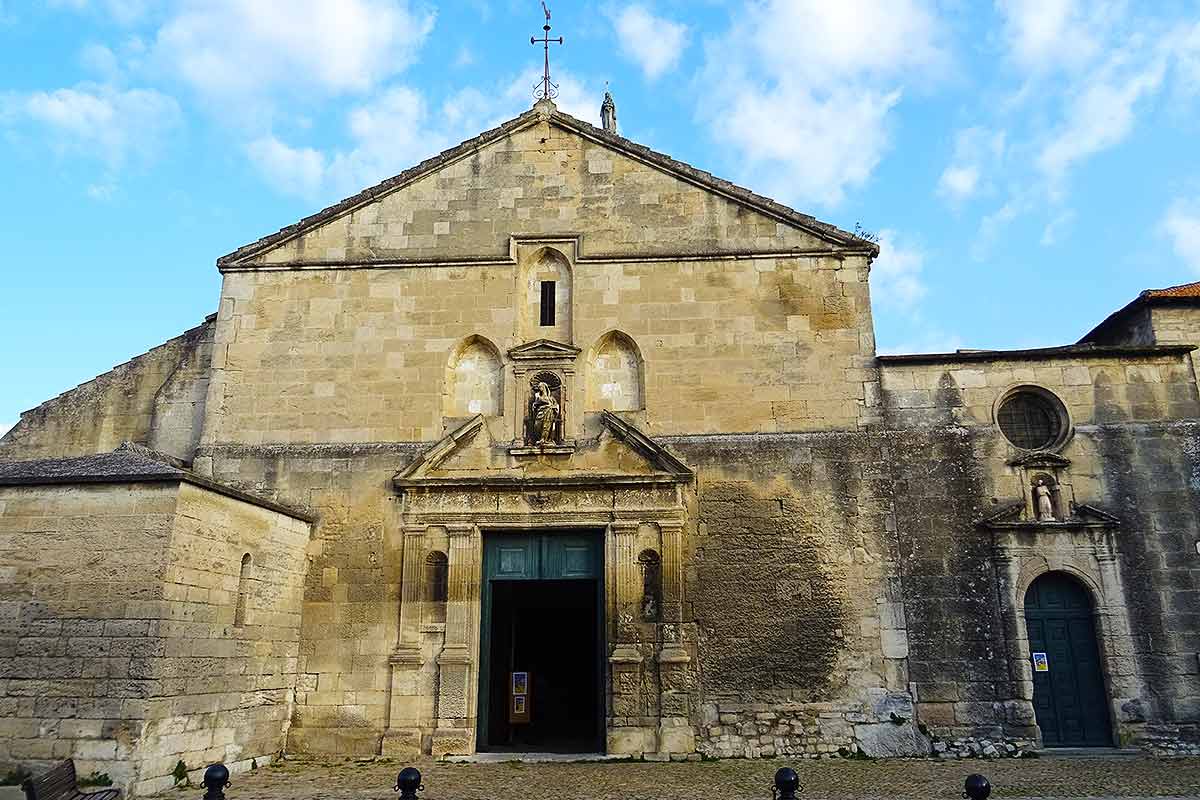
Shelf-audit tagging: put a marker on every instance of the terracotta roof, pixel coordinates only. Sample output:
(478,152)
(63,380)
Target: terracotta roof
(1182,290)
(686,171)
(1183,294)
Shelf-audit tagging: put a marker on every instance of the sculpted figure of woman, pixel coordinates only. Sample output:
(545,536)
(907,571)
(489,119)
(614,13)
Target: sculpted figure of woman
(1045,505)
(545,413)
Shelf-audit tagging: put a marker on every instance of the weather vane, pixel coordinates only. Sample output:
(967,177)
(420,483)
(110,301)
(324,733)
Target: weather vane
(545,89)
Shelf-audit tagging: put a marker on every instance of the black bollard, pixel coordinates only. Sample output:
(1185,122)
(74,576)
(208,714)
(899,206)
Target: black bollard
(976,787)
(787,783)
(408,783)
(216,778)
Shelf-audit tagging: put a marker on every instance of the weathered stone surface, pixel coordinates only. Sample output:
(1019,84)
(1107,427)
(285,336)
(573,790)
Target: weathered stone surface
(888,740)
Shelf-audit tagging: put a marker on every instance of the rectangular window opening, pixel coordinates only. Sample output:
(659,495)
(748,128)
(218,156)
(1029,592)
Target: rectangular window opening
(547,303)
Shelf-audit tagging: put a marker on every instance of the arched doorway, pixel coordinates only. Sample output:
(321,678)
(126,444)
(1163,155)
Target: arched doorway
(1068,687)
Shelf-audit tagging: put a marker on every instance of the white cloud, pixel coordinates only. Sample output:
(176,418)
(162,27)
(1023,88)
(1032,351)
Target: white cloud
(5,427)
(811,123)
(98,120)
(244,48)
(1055,227)
(101,60)
(800,144)
(399,128)
(292,170)
(653,43)
(574,96)
(1047,34)
(896,274)
(975,149)
(1182,225)
(1100,115)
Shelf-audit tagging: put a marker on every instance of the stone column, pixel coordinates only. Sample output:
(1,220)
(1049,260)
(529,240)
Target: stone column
(408,645)
(455,734)
(1128,701)
(628,588)
(675,732)
(627,733)
(403,737)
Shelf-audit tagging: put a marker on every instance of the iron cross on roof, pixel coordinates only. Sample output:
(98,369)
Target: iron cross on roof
(545,89)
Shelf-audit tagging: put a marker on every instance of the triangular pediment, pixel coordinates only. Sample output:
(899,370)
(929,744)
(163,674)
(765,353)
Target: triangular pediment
(543,173)
(470,456)
(541,350)
(1013,516)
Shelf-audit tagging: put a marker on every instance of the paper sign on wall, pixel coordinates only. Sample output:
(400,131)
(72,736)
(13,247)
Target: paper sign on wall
(519,699)
(1040,663)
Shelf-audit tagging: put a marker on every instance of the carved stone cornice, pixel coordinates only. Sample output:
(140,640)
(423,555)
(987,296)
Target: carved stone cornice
(1040,459)
(544,350)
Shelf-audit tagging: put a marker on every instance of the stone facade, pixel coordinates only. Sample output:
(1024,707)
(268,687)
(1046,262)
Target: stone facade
(120,643)
(843,541)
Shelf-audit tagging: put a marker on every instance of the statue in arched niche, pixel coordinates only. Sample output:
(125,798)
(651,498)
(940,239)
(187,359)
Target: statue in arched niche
(545,410)
(1043,501)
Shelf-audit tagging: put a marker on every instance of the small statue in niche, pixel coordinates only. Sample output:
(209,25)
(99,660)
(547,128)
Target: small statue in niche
(649,608)
(546,414)
(1043,501)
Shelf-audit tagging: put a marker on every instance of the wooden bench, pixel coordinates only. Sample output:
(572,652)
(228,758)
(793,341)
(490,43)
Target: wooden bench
(59,783)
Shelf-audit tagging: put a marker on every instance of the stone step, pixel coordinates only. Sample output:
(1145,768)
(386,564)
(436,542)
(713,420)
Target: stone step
(1089,752)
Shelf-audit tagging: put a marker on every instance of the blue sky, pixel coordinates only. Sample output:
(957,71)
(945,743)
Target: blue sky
(1029,165)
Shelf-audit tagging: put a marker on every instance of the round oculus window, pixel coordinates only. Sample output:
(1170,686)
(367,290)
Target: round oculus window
(1031,421)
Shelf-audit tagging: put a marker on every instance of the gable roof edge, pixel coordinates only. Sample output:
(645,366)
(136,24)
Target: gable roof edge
(720,186)
(378,191)
(850,242)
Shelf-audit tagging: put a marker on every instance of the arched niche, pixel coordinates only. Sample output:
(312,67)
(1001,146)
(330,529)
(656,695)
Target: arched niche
(545,296)
(474,380)
(615,381)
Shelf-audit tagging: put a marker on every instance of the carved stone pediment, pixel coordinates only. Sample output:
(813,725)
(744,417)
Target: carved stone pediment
(468,457)
(1015,517)
(543,350)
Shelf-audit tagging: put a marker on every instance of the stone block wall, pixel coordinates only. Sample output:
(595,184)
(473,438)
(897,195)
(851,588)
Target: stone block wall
(1095,389)
(352,587)
(754,345)
(81,593)
(117,642)
(799,620)
(224,689)
(156,399)
(1131,453)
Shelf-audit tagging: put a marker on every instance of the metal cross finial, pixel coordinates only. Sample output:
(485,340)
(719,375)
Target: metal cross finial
(545,89)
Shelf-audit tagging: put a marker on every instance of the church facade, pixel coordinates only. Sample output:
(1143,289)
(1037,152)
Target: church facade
(553,443)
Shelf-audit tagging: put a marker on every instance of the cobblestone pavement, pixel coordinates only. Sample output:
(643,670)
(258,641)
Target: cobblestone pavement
(719,780)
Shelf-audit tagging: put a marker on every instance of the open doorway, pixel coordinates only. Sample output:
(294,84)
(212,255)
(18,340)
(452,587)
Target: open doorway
(546,633)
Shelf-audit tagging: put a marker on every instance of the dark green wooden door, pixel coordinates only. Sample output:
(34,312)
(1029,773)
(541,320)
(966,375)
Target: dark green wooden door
(551,556)
(1068,685)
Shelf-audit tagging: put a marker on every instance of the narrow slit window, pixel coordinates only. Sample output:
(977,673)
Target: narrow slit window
(243,595)
(547,303)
